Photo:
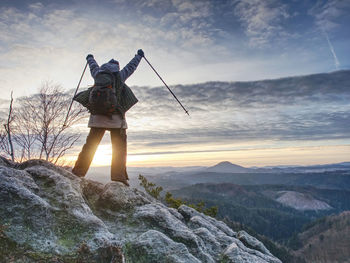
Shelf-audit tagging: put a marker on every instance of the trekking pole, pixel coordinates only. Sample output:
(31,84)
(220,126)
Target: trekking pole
(70,106)
(166,85)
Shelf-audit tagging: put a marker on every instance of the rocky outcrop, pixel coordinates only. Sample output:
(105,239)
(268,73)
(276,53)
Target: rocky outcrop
(49,215)
(301,201)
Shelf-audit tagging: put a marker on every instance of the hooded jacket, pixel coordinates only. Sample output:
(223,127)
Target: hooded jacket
(116,121)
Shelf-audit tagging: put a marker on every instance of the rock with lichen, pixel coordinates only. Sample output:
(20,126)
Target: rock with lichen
(49,215)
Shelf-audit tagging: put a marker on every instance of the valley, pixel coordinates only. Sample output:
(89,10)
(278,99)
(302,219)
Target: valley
(279,204)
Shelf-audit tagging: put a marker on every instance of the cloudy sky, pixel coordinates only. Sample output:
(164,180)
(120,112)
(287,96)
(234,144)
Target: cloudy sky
(193,42)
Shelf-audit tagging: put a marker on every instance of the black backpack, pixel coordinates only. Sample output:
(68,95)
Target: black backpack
(103,98)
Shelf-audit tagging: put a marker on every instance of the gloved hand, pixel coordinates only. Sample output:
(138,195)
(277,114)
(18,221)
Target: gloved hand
(89,56)
(140,53)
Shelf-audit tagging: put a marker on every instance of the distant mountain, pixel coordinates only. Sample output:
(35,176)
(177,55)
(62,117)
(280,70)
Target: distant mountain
(344,166)
(326,240)
(227,167)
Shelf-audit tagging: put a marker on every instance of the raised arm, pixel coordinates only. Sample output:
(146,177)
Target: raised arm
(94,68)
(131,66)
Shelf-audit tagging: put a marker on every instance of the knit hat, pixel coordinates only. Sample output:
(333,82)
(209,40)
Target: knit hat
(111,66)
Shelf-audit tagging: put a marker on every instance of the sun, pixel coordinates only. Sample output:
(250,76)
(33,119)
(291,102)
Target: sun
(103,155)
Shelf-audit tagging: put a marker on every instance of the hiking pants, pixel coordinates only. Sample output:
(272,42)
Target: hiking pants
(118,139)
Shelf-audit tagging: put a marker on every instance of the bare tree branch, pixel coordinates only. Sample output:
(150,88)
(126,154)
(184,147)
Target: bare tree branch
(8,130)
(39,124)
(4,143)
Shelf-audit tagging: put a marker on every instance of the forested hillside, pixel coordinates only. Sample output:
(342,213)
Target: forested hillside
(326,240)
(259,208)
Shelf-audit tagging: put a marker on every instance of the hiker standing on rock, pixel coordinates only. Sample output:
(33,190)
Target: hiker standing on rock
(107,101)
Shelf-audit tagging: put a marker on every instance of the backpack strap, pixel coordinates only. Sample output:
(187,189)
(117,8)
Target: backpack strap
(118,89)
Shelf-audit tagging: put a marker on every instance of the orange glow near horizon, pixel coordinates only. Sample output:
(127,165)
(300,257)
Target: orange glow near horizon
(251,157)
(247,157)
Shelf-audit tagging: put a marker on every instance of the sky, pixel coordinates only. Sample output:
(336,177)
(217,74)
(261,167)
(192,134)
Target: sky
(200,48)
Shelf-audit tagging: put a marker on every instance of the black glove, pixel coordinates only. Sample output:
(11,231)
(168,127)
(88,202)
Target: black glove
(89,56)
(140,53)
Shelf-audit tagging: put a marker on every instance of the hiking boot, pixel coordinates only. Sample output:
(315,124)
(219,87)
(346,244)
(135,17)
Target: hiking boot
(75,172)
(125,182)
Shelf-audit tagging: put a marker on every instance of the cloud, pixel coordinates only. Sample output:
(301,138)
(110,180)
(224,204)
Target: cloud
(318,88)
(46,42)
(311,107)
(262,20)
(36,6)
(187,42)
(312,127)
(327,14)
(187,23)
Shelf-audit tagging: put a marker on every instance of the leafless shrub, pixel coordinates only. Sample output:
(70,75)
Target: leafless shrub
(38,125)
